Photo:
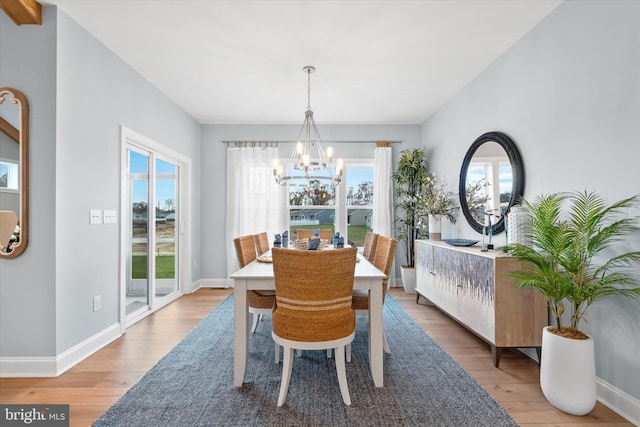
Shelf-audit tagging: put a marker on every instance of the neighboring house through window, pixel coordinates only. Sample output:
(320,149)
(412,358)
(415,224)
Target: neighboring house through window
(323,207)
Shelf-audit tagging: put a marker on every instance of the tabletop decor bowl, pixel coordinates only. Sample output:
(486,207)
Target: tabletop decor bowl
(460,242)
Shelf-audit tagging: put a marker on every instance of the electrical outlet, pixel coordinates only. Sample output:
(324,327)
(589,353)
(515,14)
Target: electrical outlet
(97,303)
(109,217)
(95,216)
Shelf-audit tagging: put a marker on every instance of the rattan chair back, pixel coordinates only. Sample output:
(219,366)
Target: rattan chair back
(325,234)
(262,243)
(313,294)
(385,251)
(246,253)
(245,249)
(370,244)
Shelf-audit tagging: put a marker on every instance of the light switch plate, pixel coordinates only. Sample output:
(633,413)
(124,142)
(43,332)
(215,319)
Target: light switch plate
(95,216)
(110,217)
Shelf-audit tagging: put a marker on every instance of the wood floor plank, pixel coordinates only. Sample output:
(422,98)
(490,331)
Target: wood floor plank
(92,386)
(515,384)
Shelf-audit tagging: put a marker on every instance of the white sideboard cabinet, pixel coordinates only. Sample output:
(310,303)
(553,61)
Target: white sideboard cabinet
(472,287)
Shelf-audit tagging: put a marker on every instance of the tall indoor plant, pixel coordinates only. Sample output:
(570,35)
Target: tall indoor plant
(409,178)
(568,262)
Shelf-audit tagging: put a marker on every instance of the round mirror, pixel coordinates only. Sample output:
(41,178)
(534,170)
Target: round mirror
(14,172)
(491,181)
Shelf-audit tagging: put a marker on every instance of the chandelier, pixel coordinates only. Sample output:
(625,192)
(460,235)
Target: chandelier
(309,165)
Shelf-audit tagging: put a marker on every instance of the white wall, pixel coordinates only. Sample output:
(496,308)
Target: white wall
(98,92)
(214,159)
(568,93)
(27,283)
(80,93)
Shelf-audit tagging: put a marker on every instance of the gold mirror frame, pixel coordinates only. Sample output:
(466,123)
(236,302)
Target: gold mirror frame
(21,136)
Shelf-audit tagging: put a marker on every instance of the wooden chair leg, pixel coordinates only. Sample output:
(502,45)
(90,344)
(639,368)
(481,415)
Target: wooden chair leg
(387,349)
(277,352)
(349,353)
(287,365)
(256,319)
(342,375)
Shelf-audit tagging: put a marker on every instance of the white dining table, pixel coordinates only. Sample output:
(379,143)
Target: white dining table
(259,276)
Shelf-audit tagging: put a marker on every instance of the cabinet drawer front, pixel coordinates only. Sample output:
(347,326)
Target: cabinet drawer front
(471,279)
(466,275)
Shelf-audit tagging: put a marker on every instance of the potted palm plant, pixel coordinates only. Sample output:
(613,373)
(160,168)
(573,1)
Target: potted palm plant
(434,203)
(568,262)
(409,178)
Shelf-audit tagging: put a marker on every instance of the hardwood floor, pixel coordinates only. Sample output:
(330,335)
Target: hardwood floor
(514,384)
(96,383)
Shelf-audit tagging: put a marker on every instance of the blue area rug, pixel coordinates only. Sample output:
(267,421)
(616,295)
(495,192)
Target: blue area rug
(193,384)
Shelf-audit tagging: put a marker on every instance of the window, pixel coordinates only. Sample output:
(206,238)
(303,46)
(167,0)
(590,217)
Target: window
(9,175)
(317,207)
(359,200)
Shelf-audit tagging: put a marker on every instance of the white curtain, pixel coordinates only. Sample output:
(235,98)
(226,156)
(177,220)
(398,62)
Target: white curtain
(382,221)
(255,203)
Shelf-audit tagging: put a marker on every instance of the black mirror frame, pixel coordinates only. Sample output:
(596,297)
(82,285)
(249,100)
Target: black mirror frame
(517,169)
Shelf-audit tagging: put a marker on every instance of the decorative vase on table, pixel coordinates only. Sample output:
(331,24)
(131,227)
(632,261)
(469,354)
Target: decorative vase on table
(516,222)
(568,373)
(435,227)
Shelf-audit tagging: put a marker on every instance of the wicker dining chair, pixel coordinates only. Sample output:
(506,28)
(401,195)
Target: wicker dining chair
(313,307)
(260,302)
(325,234)
(370,244)
(383,260)
(304,234)
(262,243)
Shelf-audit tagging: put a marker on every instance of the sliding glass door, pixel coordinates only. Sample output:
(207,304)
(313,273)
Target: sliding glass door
(152,261)
(166,181)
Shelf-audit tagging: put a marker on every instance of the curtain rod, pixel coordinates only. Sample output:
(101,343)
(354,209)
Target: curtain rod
(275,143)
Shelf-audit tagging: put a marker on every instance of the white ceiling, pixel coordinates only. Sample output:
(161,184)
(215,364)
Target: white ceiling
(378,62)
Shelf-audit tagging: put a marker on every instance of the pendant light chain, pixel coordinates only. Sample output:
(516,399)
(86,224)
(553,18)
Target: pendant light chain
(308,88)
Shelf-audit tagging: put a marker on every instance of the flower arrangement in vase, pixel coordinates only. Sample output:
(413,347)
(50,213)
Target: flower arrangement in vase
(435,202)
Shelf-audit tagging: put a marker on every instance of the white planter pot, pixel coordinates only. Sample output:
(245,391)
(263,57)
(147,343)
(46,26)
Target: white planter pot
(408,279)
(568,373)
(435,227)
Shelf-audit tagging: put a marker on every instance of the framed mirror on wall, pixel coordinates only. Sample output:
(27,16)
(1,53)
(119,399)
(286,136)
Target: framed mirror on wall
(14,172)
(491,181)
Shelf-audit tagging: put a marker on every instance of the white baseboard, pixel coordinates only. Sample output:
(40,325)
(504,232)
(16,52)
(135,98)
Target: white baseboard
(19,367)
(213,283)
(618,401)
(14,367)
